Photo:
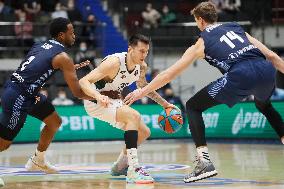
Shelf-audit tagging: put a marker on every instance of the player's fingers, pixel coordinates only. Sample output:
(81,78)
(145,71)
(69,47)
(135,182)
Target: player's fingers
(127,97)
(127,101)
(130,102)
(82,64)
(85,63)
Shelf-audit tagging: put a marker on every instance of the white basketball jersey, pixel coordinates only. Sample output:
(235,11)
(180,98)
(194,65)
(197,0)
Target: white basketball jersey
(123,78)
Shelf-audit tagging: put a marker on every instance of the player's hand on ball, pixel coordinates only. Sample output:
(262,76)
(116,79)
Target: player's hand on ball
(82,64)
(172,106)
(103,100)
(133,96)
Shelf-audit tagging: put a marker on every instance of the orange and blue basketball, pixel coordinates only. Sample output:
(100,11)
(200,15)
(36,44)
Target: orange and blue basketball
(170,120)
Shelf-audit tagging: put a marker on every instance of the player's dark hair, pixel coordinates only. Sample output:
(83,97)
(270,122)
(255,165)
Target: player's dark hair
(133,40)
(58,25)
(207,11)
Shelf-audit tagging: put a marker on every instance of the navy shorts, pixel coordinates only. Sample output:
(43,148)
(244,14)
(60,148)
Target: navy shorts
(251,77)
(16,105)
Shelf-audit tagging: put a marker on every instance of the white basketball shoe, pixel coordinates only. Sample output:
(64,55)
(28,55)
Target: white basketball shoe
(38,163)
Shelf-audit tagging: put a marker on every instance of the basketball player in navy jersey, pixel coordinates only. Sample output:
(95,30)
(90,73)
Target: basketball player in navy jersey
(248,67)
(21,93)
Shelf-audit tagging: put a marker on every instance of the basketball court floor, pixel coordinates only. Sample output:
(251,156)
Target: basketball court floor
(86,165)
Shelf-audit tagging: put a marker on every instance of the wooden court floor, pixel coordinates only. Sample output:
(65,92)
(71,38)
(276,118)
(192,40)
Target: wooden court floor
(86,165)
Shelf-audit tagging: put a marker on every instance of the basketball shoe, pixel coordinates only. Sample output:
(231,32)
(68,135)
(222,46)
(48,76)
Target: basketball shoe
(138,176)
(115,171)
(202,170)
(38,163)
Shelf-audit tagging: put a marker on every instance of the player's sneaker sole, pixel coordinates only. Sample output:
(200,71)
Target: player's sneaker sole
(201,176)
(133,181)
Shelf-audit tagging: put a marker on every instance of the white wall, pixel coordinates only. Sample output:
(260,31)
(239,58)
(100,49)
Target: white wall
(9,64)
(273,36)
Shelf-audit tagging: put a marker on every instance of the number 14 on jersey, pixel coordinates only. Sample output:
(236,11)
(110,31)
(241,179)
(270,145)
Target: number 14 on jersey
(229,37)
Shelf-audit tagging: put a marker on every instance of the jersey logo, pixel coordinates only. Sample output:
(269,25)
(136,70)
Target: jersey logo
(233,55)
(46,46)
(19,78)
(136,73)
(122,85)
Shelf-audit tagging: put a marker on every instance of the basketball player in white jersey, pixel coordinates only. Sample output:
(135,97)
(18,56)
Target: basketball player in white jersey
(105,84)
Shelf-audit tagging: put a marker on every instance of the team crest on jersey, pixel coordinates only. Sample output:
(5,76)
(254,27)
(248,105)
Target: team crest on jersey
(136,72)
(46,46)
(233,56)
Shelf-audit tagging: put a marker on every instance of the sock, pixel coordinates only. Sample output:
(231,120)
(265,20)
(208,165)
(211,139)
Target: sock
(131,138)
(203,153)
(282,139)
(132,158)
(122,161)
(39,155)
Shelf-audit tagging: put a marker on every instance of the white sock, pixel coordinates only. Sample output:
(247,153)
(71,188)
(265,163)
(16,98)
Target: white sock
(122,160)
(132,158)
(39,155)
(203,153)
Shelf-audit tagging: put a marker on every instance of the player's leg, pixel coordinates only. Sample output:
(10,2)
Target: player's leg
(132,120)
(44,111)
(12,118)
(10,126)
(52,123)
(4,144)
(200,102)
(273,117)
(120,167)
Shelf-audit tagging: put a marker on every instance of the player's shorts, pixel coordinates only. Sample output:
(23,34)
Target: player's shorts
(251,77)
(16,105)
(108,114)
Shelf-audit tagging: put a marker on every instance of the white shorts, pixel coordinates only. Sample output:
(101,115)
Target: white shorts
(105,114)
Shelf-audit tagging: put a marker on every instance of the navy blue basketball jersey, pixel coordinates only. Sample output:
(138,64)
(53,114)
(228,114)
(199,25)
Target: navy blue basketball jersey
(227,44)
(37,68)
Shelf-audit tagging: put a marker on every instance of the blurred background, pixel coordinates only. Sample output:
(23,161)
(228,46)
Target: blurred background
(103,26)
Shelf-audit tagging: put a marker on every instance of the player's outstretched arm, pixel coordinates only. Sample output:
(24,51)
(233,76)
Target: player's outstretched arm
(142,82)
(191,54)
(102,71)
(63,62)
(269,54)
